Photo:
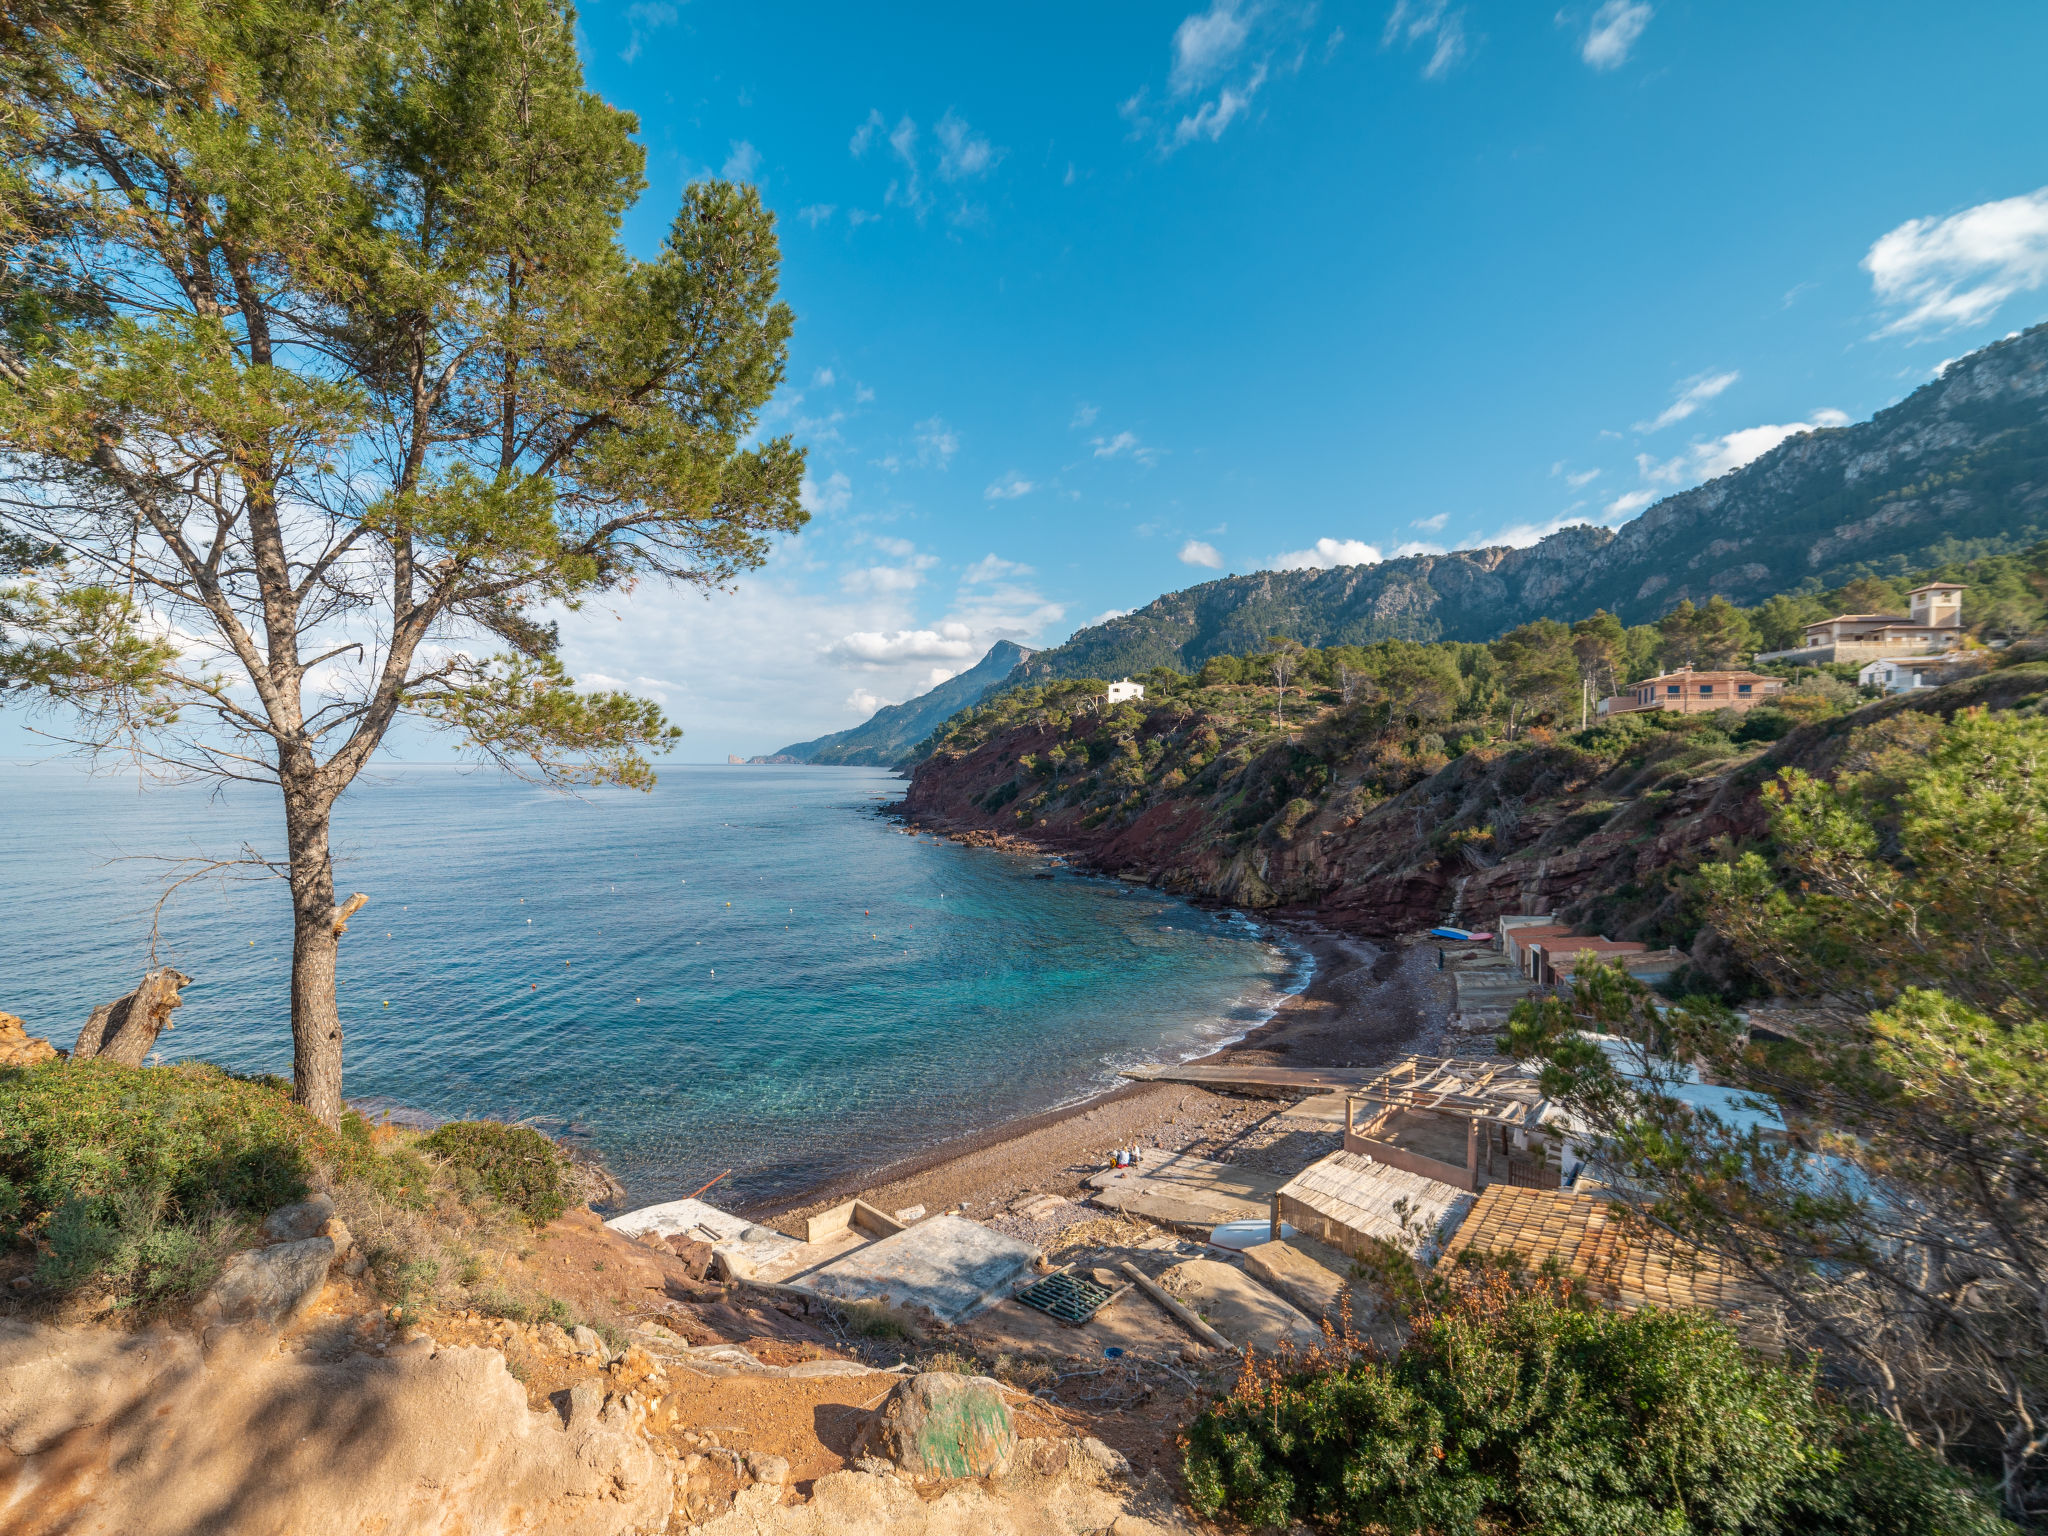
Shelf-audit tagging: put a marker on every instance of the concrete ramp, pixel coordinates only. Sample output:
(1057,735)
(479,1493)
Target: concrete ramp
(947,1264)
(1186,1191)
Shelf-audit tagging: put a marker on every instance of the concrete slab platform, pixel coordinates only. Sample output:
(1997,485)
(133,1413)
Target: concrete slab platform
(1326,1107)
(1313,1279)
(755,1246)
(947,1264)
(1186,1191)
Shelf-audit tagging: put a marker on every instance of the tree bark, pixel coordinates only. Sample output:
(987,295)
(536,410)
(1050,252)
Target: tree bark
(316,1014)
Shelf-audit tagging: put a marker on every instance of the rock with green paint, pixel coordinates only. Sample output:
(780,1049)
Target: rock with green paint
(943,1425)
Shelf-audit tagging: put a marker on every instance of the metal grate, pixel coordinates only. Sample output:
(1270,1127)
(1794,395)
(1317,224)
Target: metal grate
(1067,1297)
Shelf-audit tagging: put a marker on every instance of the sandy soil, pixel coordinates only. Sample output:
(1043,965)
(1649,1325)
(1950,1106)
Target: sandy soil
(1364,1005)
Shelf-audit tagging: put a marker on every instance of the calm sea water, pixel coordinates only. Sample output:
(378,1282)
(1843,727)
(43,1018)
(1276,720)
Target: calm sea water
(747,968)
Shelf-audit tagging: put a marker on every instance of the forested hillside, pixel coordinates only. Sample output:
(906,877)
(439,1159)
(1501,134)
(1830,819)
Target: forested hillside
(1399,783)
(1958,468)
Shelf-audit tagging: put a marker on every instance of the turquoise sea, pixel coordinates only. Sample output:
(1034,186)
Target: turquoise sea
(748,968)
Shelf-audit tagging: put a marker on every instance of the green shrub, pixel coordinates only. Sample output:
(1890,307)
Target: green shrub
(875,1320)
(191,1134)
(132,1248)
(1513,1410)
(515,1166)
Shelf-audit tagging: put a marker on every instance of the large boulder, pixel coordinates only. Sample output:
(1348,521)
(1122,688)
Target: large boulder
(296,1223)
(944,1425)
(18,1048)
(106,1433)
(267,1286)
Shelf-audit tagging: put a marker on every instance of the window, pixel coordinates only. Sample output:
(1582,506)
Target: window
(1742,688)
(1671,689)
(1706,688)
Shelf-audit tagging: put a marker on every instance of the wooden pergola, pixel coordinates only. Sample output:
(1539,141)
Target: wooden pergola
(1408,1118)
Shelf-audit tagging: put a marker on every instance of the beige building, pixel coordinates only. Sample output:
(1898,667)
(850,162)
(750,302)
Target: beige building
(1695,693)
(1933,624)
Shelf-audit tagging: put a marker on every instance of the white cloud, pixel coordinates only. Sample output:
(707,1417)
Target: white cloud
(647,16)
(1325,555)
(896,549)
(798,638)
(865,135)
(1616,26)
(883,579)
(864,703)
(1105,616)
(1716,456)
(1692,394)
(741,164)
(1416,547)
(1432,524)
(1124,443)
(815,214)
(1219,54)
(962,152)
(1629,503)
(936,443)
(862,395)
(1084,415)
(823,378)
(1582,478)
(1206,45)
(909,192)
(1009,488)
(835,495)
(1432,22)
(1956,271)
(949,641)
(859,216)
(1209,120)
(992,567)
(1195,552)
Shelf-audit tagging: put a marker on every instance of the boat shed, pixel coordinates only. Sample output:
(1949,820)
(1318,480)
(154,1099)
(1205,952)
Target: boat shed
(1347,1200)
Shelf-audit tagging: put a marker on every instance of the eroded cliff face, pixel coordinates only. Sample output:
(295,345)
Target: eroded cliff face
(1601,840)
(104,1433)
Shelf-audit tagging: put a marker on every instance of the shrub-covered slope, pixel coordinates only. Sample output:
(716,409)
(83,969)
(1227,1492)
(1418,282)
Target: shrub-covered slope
(1385,821)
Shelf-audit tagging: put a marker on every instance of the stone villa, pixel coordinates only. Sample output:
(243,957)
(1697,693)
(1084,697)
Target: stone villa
(1694,693)
(1935,624)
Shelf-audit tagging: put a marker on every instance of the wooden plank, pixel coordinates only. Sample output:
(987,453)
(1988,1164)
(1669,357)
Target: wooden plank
(1253,1079)
(1187,1319)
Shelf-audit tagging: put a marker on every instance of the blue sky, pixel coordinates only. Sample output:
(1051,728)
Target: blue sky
(1098,302)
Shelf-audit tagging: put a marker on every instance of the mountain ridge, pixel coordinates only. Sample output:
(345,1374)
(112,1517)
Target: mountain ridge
(1960,466)
(887,736)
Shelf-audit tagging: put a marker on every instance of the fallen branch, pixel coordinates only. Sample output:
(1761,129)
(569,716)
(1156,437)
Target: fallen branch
(1187,1319)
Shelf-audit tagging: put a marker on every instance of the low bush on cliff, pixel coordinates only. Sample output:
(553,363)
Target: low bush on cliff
(515,1166)
(142,1179)
(192,1134)
(1514,1410)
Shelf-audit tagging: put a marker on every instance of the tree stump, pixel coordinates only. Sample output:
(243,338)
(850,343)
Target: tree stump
(125,1029)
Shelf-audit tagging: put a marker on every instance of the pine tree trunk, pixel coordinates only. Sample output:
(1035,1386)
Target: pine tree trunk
(316,1015)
